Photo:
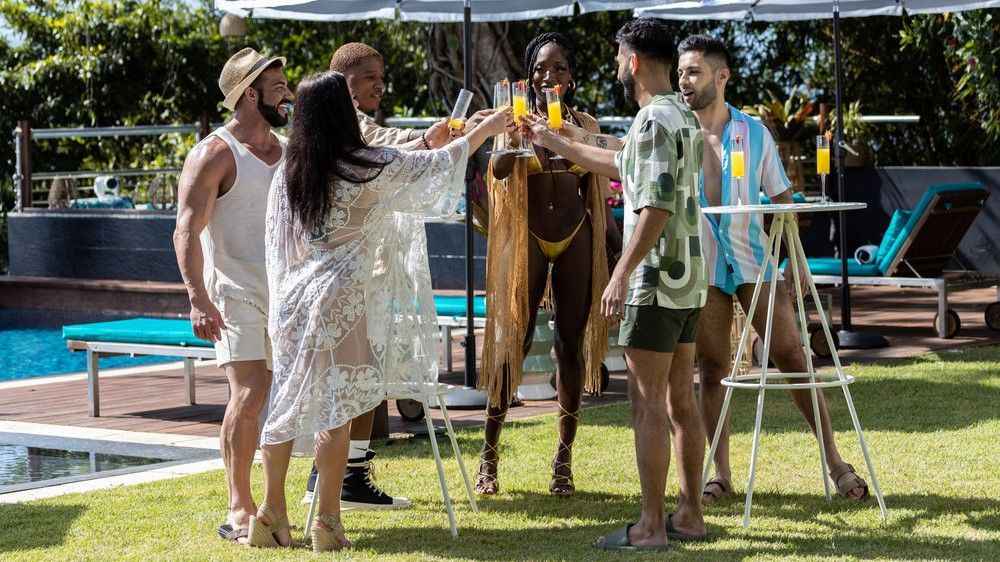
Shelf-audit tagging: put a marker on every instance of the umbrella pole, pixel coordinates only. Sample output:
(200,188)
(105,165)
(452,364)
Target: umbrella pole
(848,337)
(470,396)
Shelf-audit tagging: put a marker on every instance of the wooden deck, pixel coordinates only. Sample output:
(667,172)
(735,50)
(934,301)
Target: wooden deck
(154,401)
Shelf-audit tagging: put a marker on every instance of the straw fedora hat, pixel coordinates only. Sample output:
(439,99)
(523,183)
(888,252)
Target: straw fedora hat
(239,72)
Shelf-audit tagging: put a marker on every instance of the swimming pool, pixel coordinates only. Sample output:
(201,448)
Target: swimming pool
(29,461)
(31,344)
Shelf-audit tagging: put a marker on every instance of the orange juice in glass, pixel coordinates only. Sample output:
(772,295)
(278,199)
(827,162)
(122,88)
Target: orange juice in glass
(520,103)
(501,100)
(737,166)
(457,118)
(554,105)
(823,161)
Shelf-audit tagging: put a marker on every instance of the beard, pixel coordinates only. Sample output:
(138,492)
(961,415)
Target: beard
(701,100)
(270,112)
(628,85)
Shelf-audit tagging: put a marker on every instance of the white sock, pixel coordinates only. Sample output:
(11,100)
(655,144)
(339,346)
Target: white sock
(358,449)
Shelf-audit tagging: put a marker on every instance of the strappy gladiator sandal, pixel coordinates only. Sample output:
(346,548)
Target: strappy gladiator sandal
(487,483)
(562,485)
(325,540)
(266,536)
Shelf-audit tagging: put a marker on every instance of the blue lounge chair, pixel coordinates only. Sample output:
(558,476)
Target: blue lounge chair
(452,314)
(916,248)
(138,336)
(174,338)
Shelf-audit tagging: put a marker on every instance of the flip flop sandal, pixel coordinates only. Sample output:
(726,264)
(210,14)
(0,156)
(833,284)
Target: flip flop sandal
(725,488)
(675,535)
(228,533)
(618,540)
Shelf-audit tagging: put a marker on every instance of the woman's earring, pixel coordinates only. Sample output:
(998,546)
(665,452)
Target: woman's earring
(572,84)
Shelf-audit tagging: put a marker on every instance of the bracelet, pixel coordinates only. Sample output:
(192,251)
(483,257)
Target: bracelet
(423,139)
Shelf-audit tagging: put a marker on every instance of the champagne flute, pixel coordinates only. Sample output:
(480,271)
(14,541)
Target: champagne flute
(457,118)
(501,100)
(520,103)
(554,106)
(737,166)
(823,162)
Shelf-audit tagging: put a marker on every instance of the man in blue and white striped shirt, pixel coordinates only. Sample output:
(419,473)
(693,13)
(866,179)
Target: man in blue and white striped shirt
(734,247)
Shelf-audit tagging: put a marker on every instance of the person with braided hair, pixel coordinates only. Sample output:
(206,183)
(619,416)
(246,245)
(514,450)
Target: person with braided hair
(545,214)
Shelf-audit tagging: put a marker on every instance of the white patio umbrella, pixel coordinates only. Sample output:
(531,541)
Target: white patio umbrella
(788,10)
(432,11)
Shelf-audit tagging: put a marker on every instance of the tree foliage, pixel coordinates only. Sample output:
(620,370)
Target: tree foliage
(129,62)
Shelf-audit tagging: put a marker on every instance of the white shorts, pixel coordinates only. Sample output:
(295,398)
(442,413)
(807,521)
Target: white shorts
(245,337)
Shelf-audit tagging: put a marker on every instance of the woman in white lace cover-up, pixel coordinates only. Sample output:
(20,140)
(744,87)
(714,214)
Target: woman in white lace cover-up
(351,310)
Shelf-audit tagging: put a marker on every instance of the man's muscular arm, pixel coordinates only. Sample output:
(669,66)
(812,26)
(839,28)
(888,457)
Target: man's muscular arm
(206,168)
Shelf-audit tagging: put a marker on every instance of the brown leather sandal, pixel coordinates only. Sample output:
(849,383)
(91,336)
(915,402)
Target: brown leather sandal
(709,495)
(852,482)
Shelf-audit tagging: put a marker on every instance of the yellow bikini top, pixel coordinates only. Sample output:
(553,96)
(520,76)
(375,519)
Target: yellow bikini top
(535,167)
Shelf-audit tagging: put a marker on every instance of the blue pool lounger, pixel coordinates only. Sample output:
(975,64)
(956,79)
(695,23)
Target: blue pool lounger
(175,338)
(915,249)
(137,336)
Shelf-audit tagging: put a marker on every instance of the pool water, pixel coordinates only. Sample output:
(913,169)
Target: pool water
(29,461)
(31,344)
(20,464)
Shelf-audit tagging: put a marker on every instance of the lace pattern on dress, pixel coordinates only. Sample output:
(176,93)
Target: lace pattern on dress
(351,310)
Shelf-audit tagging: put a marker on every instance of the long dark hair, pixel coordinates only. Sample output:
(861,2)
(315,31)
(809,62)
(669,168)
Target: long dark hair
(531,57)
(325,136)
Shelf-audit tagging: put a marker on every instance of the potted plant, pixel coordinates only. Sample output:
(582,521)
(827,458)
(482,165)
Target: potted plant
(856,131)
(787,120)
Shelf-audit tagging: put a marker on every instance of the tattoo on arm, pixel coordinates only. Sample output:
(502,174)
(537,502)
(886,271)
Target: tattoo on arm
(586,138)
(602,142)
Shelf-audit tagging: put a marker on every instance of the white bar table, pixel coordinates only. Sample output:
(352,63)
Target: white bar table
(784,225)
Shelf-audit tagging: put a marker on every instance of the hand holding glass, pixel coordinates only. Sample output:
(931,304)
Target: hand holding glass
(457,118)
(520,98)
(501,100)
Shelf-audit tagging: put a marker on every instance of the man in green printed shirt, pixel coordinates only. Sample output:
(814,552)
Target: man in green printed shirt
(660,283)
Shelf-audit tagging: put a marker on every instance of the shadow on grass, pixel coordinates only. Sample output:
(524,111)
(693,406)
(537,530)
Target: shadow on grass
(31,526)
(891,404)
(792,525)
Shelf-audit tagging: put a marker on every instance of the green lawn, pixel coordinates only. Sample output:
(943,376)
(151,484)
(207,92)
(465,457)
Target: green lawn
(933,424)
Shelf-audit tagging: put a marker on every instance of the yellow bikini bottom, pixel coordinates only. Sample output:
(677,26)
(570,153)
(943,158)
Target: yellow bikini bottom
(535,167)
(553,250)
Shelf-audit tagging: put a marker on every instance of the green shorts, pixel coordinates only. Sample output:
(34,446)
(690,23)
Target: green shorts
(654,328)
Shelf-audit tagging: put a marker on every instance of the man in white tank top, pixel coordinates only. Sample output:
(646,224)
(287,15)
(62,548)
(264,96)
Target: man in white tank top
(219,241)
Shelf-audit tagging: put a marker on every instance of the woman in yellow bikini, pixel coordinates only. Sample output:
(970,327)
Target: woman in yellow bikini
(565,228)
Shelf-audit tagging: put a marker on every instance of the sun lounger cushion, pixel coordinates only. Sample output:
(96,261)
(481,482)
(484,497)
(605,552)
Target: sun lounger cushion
(896,225)
(831,266)
(454,305)
(159,331)
(915,218)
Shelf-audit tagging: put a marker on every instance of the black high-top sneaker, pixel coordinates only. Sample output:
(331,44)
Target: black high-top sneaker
(361,492)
